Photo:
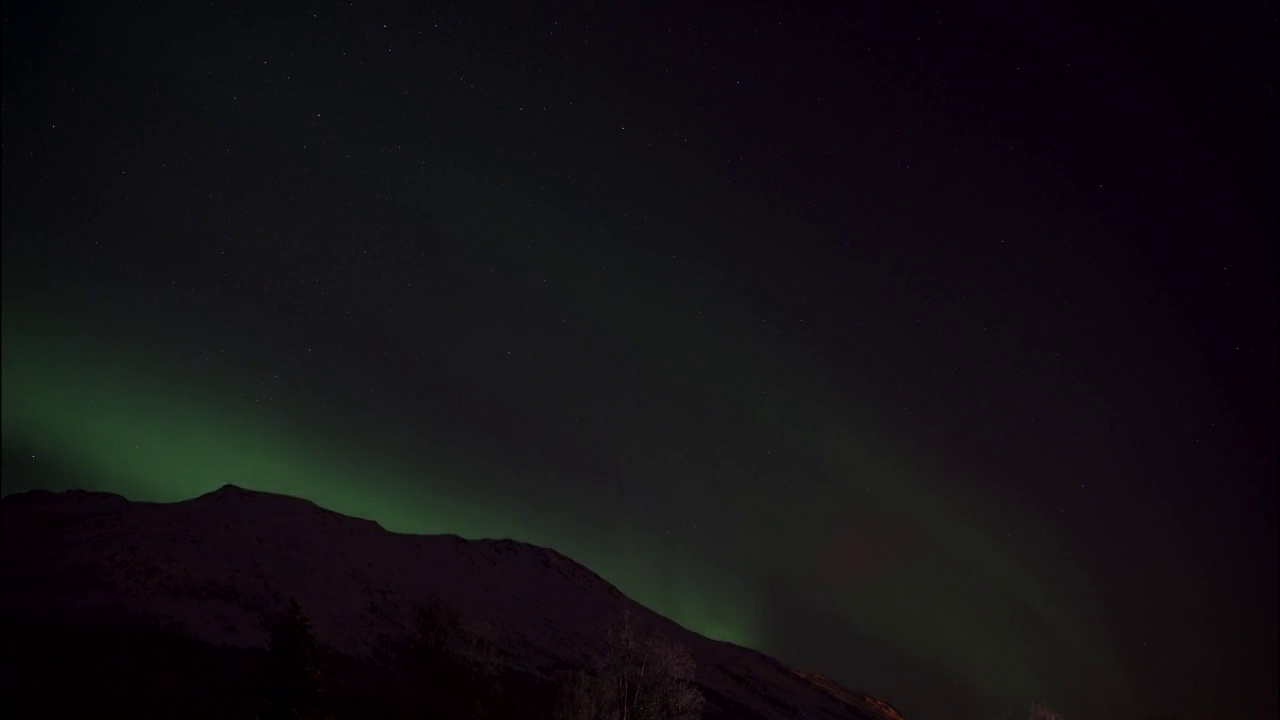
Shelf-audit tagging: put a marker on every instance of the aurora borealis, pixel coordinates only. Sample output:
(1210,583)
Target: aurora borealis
(824,335)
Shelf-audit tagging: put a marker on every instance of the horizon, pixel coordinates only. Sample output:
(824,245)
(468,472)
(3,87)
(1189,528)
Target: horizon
(933,346)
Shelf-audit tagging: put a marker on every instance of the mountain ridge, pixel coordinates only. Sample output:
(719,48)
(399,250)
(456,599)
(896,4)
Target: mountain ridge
(220,564)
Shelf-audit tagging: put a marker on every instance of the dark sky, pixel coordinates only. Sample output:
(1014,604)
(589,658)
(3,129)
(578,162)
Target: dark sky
(932,349)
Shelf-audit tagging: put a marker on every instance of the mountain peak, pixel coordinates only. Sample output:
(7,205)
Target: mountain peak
(219,566)
(231,490)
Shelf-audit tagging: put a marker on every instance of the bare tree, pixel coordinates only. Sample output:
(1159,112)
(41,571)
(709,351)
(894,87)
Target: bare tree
(453,664)
(583,696)
(1041,711)
(637,677)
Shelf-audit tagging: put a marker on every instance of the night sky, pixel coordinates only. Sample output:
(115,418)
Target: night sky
(931,349)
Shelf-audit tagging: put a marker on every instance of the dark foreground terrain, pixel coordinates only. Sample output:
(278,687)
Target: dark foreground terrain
(222,605)
(64,671)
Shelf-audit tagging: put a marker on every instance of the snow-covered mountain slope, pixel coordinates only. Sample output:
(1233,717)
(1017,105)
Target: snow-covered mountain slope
(222,565)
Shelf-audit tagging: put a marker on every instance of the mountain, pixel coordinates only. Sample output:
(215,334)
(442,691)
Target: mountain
(211,573)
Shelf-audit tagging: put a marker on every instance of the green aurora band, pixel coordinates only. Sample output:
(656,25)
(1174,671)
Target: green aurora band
(151,439)
(151,436)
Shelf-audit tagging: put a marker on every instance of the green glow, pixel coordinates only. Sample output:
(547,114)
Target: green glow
(154,439)
(981,607)
(968,603)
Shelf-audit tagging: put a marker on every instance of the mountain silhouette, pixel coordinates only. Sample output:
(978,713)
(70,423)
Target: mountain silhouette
(211,573)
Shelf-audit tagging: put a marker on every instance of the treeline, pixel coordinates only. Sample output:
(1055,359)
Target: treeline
(450,668)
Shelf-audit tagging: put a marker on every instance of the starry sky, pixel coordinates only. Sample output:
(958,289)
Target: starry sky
(929,348)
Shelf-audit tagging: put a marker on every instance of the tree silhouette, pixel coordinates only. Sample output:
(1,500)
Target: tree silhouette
(637,677)
(452,665)
(294,671)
